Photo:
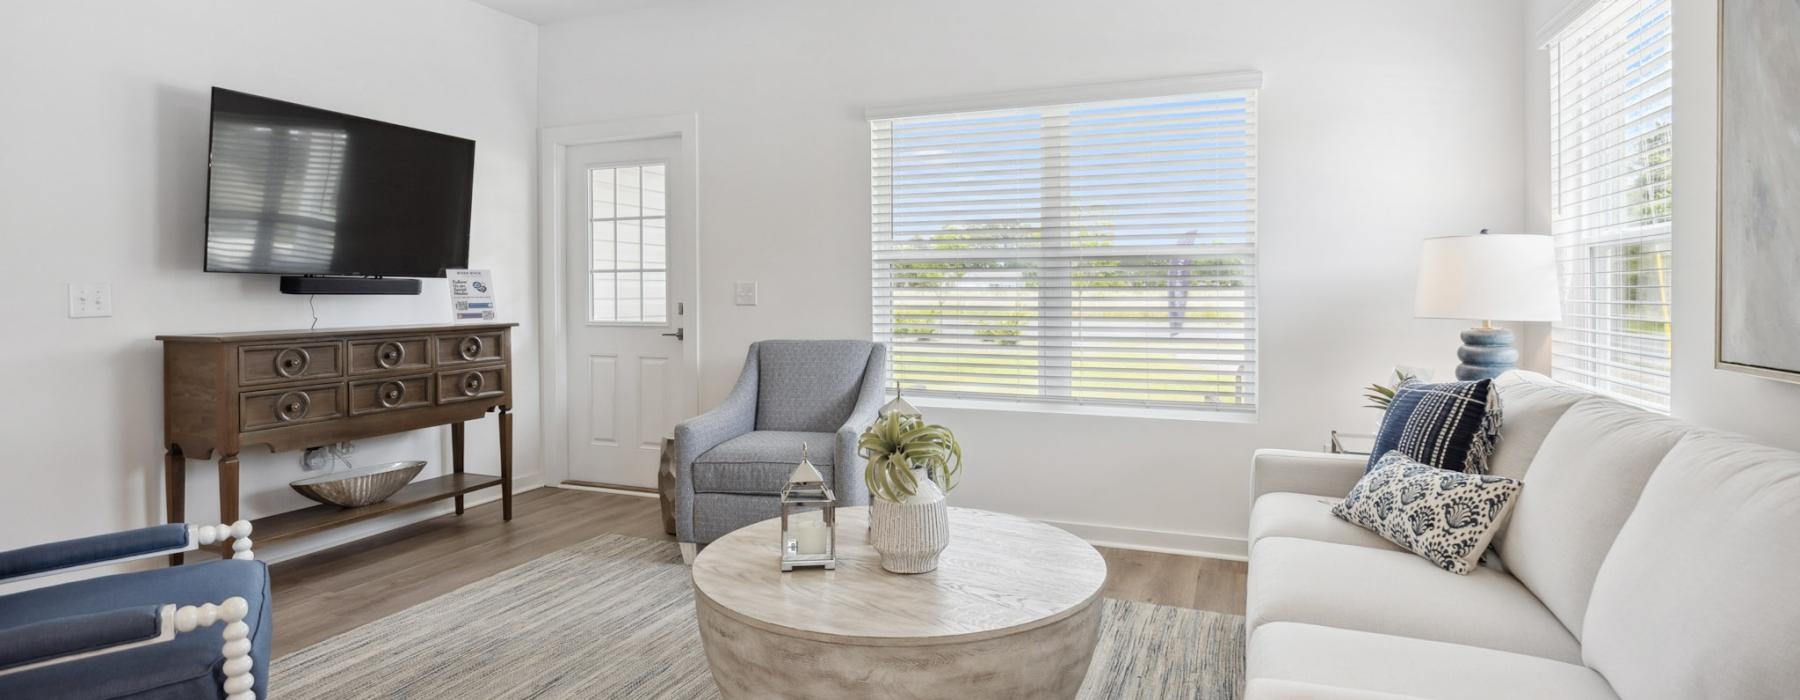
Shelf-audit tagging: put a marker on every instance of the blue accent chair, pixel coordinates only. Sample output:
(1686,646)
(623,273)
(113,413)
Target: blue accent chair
(196,631)
(732,461)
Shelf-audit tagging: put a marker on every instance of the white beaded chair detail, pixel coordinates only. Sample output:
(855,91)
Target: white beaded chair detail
(187,618)
(238,532)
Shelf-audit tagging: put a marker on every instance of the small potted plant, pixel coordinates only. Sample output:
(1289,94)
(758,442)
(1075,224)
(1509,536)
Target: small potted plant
(911,465)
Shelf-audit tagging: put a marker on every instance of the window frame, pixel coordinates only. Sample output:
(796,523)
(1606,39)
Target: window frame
(1075,97)
(1585,252)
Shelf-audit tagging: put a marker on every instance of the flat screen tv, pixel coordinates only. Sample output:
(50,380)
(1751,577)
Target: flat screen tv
(296,190)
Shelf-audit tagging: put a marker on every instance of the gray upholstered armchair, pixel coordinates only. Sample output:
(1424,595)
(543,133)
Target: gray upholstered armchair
(732,461)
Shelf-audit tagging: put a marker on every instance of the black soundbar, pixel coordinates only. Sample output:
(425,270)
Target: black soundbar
(349,285)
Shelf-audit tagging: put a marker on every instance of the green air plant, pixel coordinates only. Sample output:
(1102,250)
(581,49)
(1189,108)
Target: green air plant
(899,443)
(1380,396)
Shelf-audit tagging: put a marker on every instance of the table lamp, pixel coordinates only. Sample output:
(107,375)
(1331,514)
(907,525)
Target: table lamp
(1488,277)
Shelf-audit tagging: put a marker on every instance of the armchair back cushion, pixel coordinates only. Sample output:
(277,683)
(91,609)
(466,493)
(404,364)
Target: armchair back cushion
(809,385)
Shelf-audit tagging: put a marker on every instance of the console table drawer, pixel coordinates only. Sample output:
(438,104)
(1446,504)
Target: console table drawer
(264,364)
(389,355)
(277,408)
(467,384)
(377,395)
(461,349)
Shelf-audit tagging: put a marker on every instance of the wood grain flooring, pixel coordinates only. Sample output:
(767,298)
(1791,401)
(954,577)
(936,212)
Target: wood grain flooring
(324,594)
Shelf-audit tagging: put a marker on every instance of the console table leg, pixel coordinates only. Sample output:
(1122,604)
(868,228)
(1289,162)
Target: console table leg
(175,491)
(456,457)
(228,497)
(506,462)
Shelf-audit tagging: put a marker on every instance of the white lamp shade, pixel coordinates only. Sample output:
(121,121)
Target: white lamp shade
(1492,277)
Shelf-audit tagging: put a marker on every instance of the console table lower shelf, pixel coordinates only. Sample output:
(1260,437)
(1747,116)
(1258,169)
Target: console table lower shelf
(307,521)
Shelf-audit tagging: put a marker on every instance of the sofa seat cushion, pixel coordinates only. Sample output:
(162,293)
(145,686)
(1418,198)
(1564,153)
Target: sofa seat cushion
(190,666)
(1307,517)
(760,461)
(1696,596)
(1395,592)
(1276,689)
(1398,665)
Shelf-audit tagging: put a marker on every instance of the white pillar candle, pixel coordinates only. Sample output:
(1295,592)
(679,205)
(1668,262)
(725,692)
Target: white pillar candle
(809,536)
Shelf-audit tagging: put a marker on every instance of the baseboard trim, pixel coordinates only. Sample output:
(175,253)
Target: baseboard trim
(1163,541)
(592,487)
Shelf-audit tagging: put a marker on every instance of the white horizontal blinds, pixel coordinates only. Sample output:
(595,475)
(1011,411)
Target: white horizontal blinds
(1611,198)
(1095,253)
(272,201)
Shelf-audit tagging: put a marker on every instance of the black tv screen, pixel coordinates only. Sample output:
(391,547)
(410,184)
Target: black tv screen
(295,190)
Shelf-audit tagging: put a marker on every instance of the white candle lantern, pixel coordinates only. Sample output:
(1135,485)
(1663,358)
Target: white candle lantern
(808,519)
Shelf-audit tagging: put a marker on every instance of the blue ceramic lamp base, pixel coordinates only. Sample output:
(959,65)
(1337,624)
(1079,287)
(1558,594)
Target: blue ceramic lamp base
(1486,353)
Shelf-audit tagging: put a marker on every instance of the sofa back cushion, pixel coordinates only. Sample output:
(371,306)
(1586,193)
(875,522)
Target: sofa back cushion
(809,385)
(1533,403)
(1583,484)
(1696,598)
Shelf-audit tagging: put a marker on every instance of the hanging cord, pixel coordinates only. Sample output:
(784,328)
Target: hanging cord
(315,311)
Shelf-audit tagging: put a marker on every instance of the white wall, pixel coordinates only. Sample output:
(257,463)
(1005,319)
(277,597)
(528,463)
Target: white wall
(1381,123)
(1761,408)
(103,141)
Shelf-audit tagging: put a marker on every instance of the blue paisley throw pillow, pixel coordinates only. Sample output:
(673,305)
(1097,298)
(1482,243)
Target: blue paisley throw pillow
(1453,425)
(1445,516)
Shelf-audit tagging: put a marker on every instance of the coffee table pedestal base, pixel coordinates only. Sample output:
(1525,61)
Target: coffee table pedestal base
(1047,661)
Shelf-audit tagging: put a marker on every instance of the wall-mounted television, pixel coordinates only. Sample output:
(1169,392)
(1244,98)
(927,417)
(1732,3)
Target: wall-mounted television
(297,190)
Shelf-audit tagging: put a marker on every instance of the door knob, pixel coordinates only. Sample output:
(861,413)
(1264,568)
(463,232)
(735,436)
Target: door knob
(679,334)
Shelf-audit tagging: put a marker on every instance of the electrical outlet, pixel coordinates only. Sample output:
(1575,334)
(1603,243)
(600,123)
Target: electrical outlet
(745,293)
(315,458)
(90,300)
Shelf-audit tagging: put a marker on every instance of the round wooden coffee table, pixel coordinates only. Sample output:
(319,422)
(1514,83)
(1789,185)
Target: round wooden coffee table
(1013,610)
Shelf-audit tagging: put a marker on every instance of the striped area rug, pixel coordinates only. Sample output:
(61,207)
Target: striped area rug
(613,617)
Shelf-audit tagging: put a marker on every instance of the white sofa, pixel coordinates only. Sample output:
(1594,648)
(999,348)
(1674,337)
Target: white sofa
(1645,558)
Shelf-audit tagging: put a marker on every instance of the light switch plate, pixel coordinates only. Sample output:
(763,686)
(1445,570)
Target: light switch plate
(90,300)
(745,293)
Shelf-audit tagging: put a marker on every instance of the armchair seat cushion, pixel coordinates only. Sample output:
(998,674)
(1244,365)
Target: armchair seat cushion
(759,462)
(188,667)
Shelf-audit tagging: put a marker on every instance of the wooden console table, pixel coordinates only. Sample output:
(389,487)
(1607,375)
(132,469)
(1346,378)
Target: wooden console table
(291,390)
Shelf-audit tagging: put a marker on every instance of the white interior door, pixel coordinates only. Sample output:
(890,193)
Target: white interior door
(628,250)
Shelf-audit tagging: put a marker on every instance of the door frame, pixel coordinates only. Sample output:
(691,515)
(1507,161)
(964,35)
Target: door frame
(553,351)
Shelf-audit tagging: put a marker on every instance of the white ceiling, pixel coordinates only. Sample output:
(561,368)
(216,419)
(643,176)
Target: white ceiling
(553,11)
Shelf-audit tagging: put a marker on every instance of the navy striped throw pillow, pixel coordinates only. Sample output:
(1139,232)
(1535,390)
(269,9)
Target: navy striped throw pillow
(1453,425)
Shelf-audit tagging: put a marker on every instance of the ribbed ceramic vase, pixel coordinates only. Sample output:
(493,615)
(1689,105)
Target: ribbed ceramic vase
(910,535)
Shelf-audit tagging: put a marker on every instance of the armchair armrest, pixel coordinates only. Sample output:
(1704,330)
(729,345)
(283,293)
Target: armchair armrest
(116,547)
(693,437)
(78,634)
(52,642)
(1313,473)
(847,469)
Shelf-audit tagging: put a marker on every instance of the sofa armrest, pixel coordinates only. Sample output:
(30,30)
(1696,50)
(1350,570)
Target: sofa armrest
(733,417)
(847,465)
(1297,471)
(118,547)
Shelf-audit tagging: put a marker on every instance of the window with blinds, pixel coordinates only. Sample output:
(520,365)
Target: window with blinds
(1099,253)
(1610,175)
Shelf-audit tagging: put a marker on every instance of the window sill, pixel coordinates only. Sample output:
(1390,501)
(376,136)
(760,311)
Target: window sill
(1105,411)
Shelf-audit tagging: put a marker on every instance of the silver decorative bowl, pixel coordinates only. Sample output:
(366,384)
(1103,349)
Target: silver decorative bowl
(360,486)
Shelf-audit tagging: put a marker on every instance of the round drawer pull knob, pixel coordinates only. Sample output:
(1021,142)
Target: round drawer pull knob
(292,406)
(389,354)
(470,347)
(391,394)
(472,383)
(292,362)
